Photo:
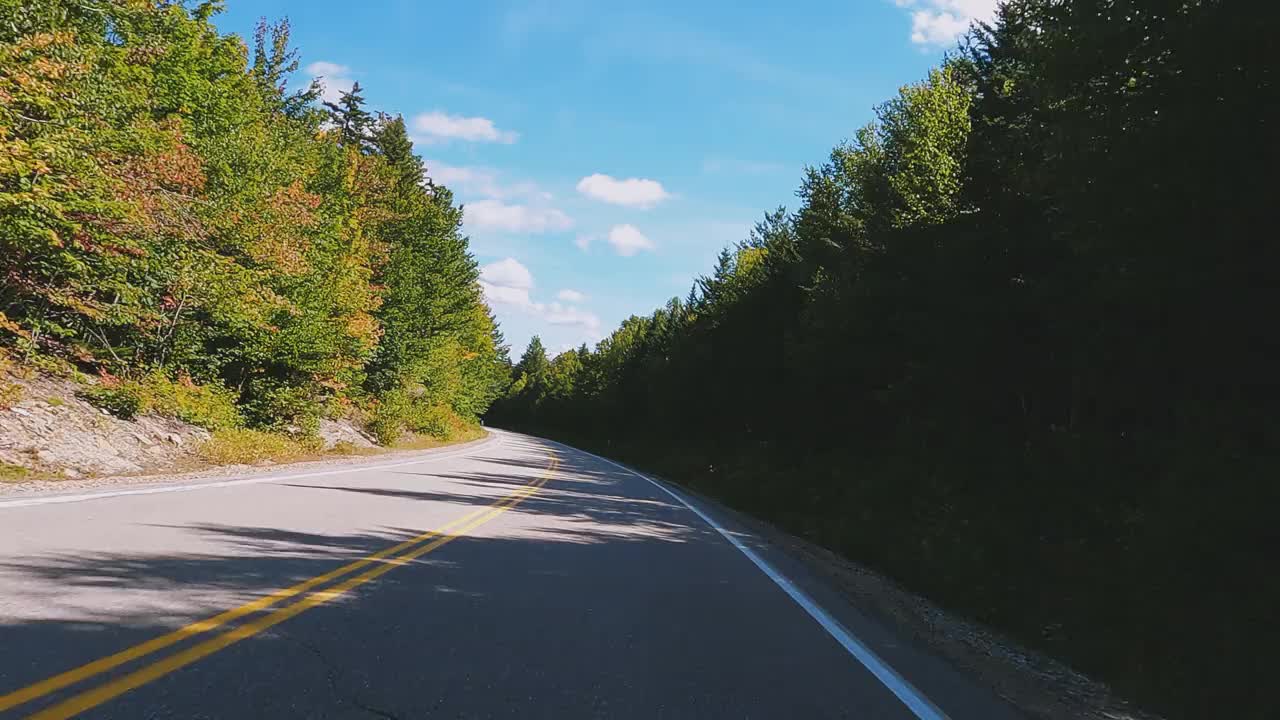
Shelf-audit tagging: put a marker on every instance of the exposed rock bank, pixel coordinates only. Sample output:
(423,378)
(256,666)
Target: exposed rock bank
(47,429)
(52,431)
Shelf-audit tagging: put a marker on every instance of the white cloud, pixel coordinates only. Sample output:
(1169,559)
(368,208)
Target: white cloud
(558,314)
(335,79)
(508,283)
(507,272)
(940,22)
(583,241)
(627,240)
(461,177)
(936,28)
(493,204)
(482,182)
(499,295)
(436,126)
(496,215)
(632,192)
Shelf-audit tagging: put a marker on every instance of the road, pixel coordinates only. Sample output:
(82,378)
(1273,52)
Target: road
(513,577)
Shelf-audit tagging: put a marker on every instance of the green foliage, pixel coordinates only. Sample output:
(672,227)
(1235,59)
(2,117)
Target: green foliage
(125,401)
(350,118)
(389,416)
(10,392)
(399,413)
(210,406)
(276,405)
(434,420)
(1006,349)
(534,361)
(169,209)
(244,446)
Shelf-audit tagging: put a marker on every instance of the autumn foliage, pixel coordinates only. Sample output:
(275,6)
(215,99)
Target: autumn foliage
(168,205)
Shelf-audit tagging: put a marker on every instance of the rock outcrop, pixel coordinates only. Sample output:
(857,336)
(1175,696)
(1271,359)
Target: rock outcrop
(49,429)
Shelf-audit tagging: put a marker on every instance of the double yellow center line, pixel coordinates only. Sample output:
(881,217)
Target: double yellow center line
(383,561)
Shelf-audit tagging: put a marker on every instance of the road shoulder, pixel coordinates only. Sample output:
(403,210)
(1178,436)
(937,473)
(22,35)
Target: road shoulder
(946,656)
(16,493)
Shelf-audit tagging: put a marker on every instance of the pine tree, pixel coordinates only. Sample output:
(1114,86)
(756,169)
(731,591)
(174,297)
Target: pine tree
(534,360)
(353,122)
(391,139)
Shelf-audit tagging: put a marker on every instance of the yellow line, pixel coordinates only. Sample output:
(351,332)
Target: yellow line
(160,668)
(101,665)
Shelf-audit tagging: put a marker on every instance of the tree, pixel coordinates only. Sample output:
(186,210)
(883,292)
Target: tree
(391,138)
(351,120)
(273,61)
(1005,324)
(169,209)
(533,362)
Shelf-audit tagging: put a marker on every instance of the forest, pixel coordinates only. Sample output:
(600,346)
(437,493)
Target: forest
(1010,348)
(180,225)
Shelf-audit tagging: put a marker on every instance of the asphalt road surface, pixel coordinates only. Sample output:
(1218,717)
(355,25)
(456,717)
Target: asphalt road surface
(513,577)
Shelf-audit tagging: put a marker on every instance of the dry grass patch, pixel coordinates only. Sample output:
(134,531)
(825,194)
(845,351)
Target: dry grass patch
(10,473)
(242,446)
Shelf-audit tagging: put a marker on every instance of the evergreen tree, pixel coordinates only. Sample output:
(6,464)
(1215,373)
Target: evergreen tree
(391,139)
(1006,322)
(533,362)
(353,122)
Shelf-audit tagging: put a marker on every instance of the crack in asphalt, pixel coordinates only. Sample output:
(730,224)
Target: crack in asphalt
(331,673)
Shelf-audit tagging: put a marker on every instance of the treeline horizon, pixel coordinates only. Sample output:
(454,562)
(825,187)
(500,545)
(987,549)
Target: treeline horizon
(1010,349)
(209,242)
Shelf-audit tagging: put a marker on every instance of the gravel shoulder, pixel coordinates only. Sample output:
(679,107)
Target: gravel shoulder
(42,487)
(1039,686)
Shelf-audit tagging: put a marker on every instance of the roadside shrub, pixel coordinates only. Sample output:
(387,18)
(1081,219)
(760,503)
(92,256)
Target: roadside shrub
(438,421)
(124,401)
(212,407)
(274,405)
(388,416)
(32,359)
(433,420)
(396,413)
(10,392)
(243,446)
(12,473)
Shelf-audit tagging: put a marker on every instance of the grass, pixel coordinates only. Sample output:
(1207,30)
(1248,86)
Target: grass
(10,392)
(13,473)
(242,446)
(419,441)
(345,448)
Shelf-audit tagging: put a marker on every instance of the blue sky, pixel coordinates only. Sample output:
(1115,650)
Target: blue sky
(606,153)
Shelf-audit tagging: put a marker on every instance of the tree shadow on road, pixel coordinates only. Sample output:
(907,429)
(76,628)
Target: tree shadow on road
(587,538)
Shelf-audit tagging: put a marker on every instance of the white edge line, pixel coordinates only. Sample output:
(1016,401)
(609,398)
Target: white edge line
(496,438)
(915,700)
